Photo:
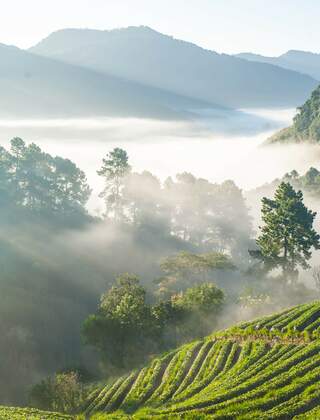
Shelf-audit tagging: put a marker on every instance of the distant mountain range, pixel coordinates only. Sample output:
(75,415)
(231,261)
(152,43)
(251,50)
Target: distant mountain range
(299,61)
(137,72)
(35,86)
(145,56)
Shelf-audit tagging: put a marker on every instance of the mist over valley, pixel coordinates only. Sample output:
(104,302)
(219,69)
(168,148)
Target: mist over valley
(159,213)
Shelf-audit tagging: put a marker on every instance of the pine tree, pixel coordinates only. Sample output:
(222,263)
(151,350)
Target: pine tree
(287,235)
(115,168)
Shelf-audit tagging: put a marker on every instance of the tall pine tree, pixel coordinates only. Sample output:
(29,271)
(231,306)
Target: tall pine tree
(287,235)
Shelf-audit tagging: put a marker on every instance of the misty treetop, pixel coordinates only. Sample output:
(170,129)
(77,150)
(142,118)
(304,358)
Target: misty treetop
(35,180)
(207,215)
(114,169)
(309,182)
(186,269)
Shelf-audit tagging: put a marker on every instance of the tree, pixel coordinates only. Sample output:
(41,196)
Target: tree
(205,298)
(287,235)
(63,392)
(115,168)
(126,330)
(143,199)
(207,215)
(32,179)
(122,326)
(185,268)
(200,306)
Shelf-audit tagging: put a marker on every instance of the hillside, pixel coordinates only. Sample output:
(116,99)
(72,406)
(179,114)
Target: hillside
(306,124)
(301,61)
(143,55)
(264,369)
(56,89)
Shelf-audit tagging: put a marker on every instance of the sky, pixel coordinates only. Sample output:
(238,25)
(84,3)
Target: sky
(268,27)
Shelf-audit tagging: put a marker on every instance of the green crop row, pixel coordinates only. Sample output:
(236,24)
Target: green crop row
(207,397)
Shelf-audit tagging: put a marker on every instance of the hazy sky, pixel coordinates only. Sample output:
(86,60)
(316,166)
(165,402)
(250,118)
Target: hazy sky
(263,26)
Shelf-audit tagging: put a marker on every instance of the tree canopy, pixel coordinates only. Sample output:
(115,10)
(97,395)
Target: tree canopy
(35,180)
(126,329)
(185,268)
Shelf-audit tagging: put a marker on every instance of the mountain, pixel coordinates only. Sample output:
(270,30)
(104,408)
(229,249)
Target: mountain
(34,86)
(264,369)
(306,124)
(143,55)
(300,61)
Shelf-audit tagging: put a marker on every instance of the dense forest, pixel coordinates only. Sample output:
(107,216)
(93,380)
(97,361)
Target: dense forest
(167,263)
(306,123)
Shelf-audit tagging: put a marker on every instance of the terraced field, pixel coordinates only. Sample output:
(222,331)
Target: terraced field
(265,369)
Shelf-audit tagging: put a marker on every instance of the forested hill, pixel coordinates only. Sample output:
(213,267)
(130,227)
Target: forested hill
(268,368)
(306,124)
(146,56)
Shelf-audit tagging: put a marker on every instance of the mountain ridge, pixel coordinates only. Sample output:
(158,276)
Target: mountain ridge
(142,54)
(60,89)
(305,62)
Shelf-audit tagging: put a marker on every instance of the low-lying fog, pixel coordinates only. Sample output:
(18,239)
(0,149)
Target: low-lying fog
(215,148)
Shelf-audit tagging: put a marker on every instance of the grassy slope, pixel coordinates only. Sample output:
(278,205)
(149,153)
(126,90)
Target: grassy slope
(264,369)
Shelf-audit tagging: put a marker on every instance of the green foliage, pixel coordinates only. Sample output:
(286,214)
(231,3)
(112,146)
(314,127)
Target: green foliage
(126,329)
(64,392)
(15,413)
(198,307)
(205,298)
(306,124)
(37,181)
(307,121)
(287,235)
(123,324)
(186,263)
(185,268)
(309,182)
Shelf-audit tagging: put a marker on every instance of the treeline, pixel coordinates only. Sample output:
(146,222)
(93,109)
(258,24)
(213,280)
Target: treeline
(192,209)
(41,183)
